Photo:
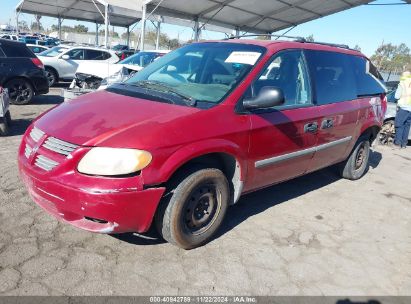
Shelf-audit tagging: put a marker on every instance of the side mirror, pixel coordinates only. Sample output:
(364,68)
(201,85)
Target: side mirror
(268,97)
(65,57)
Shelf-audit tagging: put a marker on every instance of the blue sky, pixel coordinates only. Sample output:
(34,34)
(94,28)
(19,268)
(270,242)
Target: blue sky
(368,26)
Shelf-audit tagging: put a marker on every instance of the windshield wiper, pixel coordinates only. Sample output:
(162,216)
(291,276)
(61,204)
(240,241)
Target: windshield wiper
(150,84)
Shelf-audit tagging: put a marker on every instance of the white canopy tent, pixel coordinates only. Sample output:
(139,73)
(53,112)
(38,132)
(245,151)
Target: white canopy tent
(251,16)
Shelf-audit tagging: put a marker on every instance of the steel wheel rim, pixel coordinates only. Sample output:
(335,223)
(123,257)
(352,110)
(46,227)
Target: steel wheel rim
(19,91)
(360,157)
(202,208)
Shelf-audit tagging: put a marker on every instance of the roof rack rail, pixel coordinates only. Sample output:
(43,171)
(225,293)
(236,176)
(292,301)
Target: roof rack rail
(297,39)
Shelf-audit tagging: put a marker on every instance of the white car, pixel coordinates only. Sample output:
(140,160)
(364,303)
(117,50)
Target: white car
(10,37)
(61,62)
(37,49)
(93,75)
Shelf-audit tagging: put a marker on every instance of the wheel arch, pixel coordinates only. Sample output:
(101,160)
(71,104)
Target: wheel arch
(228,158)
(371,132)
(54,69)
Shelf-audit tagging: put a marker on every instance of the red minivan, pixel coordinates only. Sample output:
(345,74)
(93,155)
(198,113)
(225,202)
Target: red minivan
(183,139)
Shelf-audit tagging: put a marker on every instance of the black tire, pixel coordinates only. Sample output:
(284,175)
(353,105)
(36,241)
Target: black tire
(4,126)
(356,165)
(51,75)
(191,213)
(20,91)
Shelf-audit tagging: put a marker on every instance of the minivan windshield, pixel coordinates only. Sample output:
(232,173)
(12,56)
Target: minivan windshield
(201,72)
(141,59)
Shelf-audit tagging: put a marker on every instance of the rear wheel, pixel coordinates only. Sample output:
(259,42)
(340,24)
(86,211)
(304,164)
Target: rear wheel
(356,165)
(192,212)
(387,133)
(20,91)
(51,76)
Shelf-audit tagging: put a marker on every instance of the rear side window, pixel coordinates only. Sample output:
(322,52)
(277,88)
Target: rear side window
(333,76)
(367,77)
(96,55)
(17,50)
(2,55)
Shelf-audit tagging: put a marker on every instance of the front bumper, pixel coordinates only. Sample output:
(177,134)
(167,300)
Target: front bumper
(97,204)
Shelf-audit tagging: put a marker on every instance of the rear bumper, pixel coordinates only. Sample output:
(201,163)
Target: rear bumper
(40,82)
(96,210)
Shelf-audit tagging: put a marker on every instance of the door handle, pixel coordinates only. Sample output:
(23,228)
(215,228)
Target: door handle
(311,127)
(327,123)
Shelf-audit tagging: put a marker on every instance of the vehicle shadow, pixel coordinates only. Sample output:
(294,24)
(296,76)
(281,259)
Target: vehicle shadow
(19,126)
(47,100)
(259,201)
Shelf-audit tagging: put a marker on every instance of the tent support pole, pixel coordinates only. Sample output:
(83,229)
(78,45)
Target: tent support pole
(59,21)
(97,34)
(158,34)
(17,22)
(237,31)
(106,26)
(197,30)
(128,36)
(143,27)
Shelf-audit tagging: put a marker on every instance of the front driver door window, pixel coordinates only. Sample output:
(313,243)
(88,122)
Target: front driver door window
(281,146)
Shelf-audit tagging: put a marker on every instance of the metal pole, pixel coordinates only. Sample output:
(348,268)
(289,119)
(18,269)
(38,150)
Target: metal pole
(237,31)
(106,26)
(97,44)
(128,36)
(143,26)
(197,30)
(158,34)
(59,26)
(17,22)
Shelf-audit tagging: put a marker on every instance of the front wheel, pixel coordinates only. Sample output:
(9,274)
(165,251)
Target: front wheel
(387,133)
(356,165)
(192,212)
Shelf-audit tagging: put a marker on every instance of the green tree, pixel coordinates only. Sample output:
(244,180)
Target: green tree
(310,38)
(389,57)
(79,28)
(357,48)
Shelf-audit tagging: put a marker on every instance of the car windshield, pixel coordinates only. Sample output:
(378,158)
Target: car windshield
(200,72)
(141,59)
(53,52)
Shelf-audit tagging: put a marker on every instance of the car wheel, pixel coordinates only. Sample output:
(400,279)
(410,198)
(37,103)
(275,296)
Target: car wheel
(4,126)
(387,133)
(192,212)
(20,91)
(51,76)
(356,165)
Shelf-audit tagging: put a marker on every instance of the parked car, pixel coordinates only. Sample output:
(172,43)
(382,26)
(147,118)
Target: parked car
(36,49)
(93,74)
(126,53)
(28,39)
(182,139)
(387,133)
(21,72)
(63,65)
(10,37)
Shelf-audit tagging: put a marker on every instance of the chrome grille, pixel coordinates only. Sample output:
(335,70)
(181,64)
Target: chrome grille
(45,163)
(59,146)
(27,151)
(36,134)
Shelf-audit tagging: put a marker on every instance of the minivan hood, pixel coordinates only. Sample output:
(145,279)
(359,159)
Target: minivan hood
(99,118)
(99,69)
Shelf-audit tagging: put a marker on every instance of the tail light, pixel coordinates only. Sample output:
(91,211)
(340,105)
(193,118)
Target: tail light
(37,62)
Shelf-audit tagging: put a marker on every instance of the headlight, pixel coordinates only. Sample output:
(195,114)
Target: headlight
(113,161)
